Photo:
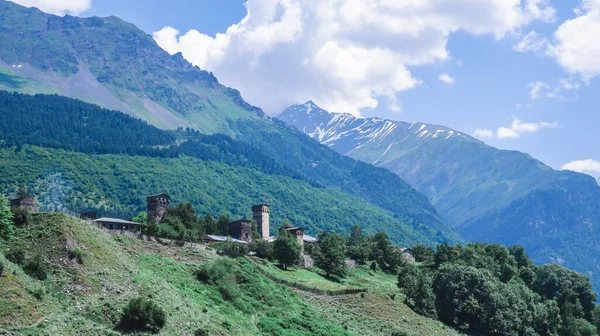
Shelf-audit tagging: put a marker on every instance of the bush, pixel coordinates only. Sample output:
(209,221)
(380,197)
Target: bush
(16,256)
(201,332)
(263,249)
(142,315)
(215,271)
(35,268)
(77,254)
(1,268)
(232,249)
(21,217)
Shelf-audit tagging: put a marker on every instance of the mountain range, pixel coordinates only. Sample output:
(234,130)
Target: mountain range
(485,193)
(115,65)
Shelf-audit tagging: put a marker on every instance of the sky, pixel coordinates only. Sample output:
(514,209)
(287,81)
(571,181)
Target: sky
(516,74)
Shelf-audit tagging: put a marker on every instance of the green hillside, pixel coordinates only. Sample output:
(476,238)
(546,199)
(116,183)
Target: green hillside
(112,63)
(88,297)
(214,172)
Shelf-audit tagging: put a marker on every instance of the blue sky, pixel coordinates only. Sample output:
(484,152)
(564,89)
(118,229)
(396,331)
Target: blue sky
(452,62)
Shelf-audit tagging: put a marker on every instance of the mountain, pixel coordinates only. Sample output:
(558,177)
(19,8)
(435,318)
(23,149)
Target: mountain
(82,157)
(487,194)
(111,62)
(110,54)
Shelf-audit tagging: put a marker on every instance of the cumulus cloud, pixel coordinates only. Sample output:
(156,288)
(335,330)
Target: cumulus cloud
(531,42)
(446,78)
(345,55)
(576,46)
(58,7)
(588,166)
(515,130)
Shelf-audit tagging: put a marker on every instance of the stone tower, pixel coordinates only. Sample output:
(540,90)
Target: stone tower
(260,213)
(157,206)
(25,202)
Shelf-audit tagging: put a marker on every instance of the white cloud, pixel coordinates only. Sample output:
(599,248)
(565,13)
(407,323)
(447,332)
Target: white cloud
(346,54)
(555,90)
(58,7)
(576,46)
(588,166)
(446,78)
(483,134)
(531,42)
(515,130)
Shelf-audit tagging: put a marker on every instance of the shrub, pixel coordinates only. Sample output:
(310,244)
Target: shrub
(1,268)
(16,256)
(21,217)
(38,293)
(142,315)
(201,332)
(215,271)
(263,249)
(77,254)
(232,249)
(35,268)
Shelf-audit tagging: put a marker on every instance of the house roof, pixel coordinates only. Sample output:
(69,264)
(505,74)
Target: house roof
(309,239)
(161,194)
(405,249)
(115,221)
(223,238)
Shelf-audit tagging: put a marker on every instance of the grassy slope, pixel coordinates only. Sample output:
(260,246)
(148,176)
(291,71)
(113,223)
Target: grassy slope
(87,299)
(119,182)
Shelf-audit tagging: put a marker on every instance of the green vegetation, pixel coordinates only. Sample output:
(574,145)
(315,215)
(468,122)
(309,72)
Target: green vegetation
(330,255)
(6,218)
(286,249)
(142,315)
(67,124)
(492,290)
(89,299)
(21,217)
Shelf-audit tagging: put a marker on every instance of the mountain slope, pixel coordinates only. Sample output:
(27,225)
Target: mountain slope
(112,63)
(487,194)
(94,167)
(116,57)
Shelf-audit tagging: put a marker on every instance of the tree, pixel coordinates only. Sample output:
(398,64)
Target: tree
(286,249)
(423,253)
(356,236)
(141,218)
(331,254)
(152,228)
(6,219)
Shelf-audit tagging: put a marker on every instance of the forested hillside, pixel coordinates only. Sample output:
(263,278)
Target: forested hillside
(216,173)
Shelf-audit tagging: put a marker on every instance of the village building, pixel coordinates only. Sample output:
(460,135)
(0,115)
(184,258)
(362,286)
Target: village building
(241,229)
(408,254)
(117,224)
(260,214)
(157,206)
(88,216)
(26,202)
(209,239)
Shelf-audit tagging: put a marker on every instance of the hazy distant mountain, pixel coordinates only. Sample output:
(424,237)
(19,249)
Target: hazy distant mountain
(487,194)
